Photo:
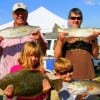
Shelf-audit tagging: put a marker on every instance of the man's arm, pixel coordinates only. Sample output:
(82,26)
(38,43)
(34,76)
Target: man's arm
(59,45)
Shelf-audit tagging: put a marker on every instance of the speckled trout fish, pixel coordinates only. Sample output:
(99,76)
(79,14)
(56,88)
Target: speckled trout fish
(79,32)
(27,83)
(88,87)
(19,31)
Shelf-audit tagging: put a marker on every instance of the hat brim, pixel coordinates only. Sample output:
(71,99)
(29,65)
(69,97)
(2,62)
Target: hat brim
(20,9)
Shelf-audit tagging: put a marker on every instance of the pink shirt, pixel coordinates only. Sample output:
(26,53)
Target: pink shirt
(15,68)
(10,52)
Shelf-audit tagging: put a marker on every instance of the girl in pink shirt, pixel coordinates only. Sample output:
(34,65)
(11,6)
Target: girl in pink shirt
(30,59)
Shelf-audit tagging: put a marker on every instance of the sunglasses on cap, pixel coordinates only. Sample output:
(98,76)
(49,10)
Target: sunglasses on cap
(65,72)
(73,18)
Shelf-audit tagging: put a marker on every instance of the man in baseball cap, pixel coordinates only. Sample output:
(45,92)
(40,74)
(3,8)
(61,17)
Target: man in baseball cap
(20,14)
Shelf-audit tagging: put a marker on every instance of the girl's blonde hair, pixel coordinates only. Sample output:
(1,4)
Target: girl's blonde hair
(29,48)
(62,64)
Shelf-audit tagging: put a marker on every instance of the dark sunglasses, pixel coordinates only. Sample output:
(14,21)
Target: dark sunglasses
(65,72)
(73,18)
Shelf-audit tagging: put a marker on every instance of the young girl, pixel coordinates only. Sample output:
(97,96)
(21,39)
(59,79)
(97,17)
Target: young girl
(30,59)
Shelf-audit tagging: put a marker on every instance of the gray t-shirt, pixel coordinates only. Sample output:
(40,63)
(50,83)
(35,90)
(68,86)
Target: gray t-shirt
(64,94)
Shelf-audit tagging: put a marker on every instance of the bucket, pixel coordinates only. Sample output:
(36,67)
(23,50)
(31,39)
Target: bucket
(49,63)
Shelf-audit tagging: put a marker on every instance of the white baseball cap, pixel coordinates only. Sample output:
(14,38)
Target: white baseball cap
(19,6)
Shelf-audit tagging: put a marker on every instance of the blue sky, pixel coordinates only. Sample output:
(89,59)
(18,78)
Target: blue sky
(90,9)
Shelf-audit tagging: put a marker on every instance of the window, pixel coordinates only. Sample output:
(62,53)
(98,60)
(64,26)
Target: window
(49,43)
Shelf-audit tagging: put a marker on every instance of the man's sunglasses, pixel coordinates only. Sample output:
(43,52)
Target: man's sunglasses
(73,18)
(65,72)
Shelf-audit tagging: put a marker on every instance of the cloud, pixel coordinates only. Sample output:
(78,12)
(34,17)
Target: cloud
(90,2)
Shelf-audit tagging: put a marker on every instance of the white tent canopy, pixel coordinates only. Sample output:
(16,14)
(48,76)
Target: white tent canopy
(43,18)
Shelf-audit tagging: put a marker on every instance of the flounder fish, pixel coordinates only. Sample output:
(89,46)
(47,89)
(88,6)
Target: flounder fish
(28,83)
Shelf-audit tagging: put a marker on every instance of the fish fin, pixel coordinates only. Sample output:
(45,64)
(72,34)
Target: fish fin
(97,79)
(56,84)
(90,88)
(1,92)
